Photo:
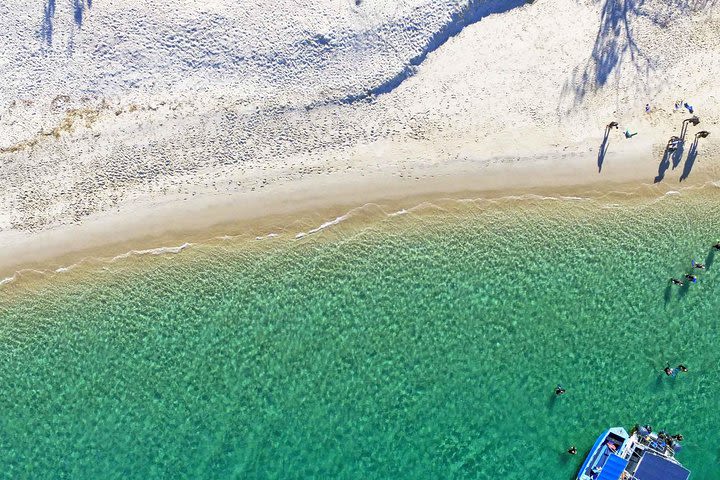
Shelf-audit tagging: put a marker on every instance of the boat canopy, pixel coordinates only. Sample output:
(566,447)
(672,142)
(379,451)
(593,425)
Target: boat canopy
(654,467)
(613,468)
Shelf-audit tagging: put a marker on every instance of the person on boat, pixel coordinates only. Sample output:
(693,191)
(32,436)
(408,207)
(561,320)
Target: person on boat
(699,266)
(572,450)
(682,368)
(559,390)
(677,282)
(691,277)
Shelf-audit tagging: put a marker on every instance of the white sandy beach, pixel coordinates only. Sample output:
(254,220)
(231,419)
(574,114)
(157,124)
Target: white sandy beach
(125,122)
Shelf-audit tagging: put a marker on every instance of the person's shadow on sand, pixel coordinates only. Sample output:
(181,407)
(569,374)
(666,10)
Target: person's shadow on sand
(664,165)
(690,161)
(678,154)
(603,148)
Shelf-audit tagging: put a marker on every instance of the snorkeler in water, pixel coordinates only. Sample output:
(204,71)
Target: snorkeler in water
(699,266)
(670,372)
(675,281)
(717,246)
(690,277)
(559,390)
(682,368)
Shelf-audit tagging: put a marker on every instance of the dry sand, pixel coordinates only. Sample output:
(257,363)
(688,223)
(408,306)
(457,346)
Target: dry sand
(514,103)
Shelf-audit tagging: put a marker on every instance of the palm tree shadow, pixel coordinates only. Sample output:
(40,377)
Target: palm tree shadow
(46,28)
(690,161)
(603,149)
(79,7)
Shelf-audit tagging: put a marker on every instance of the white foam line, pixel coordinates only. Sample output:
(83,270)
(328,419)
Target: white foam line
(329,224)
(269,235)
(153,251)
(323,226)
(399,212)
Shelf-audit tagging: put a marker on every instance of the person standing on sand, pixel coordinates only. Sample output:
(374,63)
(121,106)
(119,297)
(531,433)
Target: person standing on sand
(647,108)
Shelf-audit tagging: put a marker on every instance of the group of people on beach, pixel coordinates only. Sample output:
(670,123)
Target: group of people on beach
(679,105)
(696,266)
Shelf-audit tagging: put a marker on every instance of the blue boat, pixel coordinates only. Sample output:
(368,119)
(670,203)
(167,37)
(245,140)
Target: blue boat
(643,455)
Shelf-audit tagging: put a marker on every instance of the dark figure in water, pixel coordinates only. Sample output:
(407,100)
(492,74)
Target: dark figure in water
(613,124)
(675,281)
(682,368)
(690,277)
(559,390)
(678,437)
(697,265)
(670,372)
(716,246)
(572,450)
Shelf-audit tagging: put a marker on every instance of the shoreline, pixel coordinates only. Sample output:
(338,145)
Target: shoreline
(155,224)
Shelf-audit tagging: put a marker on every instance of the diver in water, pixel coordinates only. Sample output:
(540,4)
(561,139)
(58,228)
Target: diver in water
(690,277)
(682,368)
(559,390)
(677,282)
(699,266)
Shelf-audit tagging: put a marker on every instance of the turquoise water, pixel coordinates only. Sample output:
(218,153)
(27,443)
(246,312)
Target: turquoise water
(425,345)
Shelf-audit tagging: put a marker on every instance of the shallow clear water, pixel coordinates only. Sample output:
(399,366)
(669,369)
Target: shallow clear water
(424,345)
